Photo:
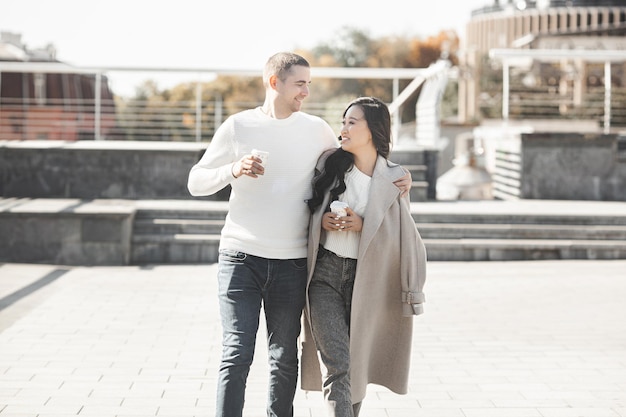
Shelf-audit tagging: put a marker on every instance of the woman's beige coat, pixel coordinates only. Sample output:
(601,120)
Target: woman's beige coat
(390,276)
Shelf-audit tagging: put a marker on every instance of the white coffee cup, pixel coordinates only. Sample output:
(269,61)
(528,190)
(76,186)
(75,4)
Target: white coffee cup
(262,155)
(339,208)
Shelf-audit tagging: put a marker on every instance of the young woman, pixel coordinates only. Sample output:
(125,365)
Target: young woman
(366,269)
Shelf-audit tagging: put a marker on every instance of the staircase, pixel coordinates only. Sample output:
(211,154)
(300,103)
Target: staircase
(463,237)
(171,232)
(188,231)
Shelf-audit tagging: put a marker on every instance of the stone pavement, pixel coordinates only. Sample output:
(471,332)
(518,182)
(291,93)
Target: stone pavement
(498,339)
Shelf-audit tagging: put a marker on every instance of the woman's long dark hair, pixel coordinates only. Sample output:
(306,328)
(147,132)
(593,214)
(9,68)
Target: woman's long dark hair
(339,162)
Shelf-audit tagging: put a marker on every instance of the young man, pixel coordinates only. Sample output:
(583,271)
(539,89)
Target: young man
(263,245)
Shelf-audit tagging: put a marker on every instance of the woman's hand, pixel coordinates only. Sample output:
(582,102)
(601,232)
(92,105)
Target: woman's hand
(350,223)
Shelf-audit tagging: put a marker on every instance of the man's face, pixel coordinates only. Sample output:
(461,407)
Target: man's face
(294,89)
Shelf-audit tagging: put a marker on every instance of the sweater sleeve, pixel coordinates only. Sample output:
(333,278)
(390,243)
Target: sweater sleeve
(214,170)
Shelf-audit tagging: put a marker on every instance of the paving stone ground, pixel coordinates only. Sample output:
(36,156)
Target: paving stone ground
(498,339)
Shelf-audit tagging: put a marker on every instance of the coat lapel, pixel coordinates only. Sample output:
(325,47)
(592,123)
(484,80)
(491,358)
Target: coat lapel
(382,194)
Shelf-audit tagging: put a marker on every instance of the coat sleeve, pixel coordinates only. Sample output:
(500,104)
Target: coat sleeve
(413,262)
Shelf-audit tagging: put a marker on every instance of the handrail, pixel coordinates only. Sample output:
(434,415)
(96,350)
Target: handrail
(101,129)
(511,57)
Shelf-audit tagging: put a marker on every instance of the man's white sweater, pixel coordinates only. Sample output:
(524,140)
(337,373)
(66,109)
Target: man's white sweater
(268,216)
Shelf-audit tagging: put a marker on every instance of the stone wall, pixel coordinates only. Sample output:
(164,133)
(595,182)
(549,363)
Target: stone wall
(128,170)
(97,169)
(66,231)
(563,166)
(573,166)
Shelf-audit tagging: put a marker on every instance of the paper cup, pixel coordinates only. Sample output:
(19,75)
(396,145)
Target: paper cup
(262,155)
(339,208)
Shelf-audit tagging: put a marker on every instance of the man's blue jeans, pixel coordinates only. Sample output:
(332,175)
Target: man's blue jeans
(245,283)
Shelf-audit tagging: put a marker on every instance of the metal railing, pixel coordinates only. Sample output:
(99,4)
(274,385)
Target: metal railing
(126,118)
(35,116)
(612,104)
(533,4)
(188,120)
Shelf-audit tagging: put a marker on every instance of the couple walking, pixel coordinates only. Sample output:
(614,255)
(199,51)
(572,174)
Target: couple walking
(358,275)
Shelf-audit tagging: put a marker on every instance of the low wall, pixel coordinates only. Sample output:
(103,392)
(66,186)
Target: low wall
(98,169)
(562,166)
(125,169)
(66,231)
(573,166)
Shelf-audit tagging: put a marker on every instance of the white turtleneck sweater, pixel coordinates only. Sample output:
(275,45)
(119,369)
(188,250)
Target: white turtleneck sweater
(268,216)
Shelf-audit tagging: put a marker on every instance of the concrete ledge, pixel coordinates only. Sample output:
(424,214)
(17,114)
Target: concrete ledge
(521,231)
(135,170)
(66,231)
(140,232)
(518,251)
(521,212)
(522,249)
(99,169)
(181,249)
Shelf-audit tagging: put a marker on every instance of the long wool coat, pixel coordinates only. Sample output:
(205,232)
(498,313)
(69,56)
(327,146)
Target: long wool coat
(388,289)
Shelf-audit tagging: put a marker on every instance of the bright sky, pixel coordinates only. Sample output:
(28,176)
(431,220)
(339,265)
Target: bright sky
(214,34)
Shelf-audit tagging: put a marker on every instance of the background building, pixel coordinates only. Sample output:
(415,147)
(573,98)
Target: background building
(55,103)
(562,88)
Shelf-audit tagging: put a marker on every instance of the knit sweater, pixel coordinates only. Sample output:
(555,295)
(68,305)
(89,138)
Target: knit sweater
(346,243)
(268,216)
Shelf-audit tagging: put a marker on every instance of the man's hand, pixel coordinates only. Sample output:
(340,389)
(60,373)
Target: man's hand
(404,183)
(248,165)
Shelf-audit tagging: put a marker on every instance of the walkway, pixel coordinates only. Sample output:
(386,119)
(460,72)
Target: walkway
(498,339)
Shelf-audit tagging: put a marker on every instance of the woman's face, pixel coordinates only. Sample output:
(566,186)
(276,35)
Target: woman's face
(355,133)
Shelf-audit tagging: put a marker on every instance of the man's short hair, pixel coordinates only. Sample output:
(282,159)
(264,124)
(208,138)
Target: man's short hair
(280,64)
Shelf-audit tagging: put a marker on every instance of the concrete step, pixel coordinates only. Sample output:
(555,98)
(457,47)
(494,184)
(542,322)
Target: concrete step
(203,248)
(177,231)
(175,226)
(590,219)
(172,226)
(522,249)
(194,208)
(418,172)
(192,236)
(411,156)
(419,191)
(188,231)
(181,213)
(174,249)
(121,232)
(521,231)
